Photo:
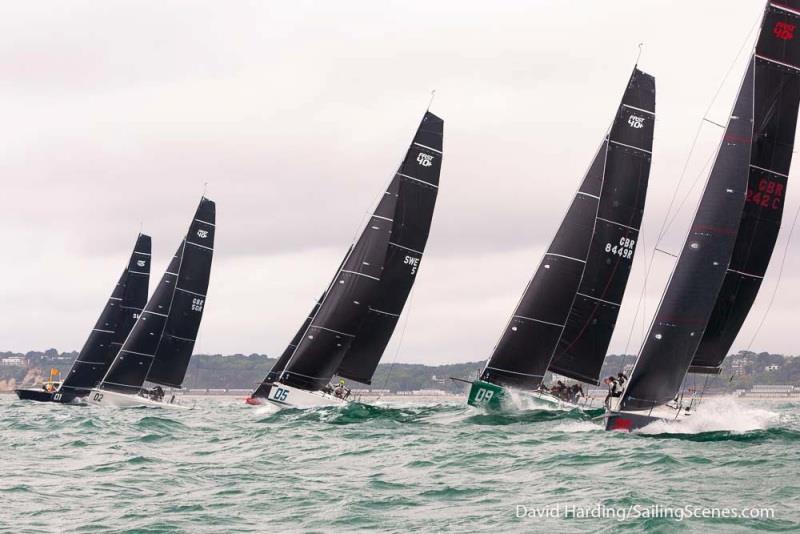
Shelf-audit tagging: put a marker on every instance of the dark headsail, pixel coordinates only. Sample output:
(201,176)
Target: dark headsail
(277,369)
(418,181)
(570,306)
(732,236)
(376,275)
(333,328)
(263,388)
(161,342)
(587,333)
(774,123)
(114,324)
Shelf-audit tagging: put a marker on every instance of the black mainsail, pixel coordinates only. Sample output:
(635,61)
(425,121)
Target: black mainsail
(160,344)
(349,328)
(114,324)
(774,118)
(567,314)
(719,270)
(417,182)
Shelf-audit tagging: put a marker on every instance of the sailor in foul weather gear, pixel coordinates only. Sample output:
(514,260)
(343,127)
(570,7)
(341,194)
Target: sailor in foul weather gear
(614,390)
(622,379)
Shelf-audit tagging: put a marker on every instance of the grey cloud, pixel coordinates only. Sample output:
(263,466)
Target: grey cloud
(296,114)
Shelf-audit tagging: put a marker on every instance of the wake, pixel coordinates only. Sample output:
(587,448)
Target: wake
(717,414)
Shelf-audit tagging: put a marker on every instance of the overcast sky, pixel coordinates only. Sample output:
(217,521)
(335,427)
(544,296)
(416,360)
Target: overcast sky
(297,113)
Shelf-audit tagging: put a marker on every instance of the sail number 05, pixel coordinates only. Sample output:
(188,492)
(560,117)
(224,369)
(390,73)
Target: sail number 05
(280,394)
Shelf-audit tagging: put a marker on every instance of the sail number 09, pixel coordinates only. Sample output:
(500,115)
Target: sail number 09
(484,395)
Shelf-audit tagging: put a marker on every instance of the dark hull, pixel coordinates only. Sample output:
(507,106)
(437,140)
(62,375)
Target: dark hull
(626,422)
(40,395)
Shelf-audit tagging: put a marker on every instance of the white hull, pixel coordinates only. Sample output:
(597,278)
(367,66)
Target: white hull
(289,397)
(551,401)
(102,397)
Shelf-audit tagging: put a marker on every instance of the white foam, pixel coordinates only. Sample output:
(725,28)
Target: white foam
(578,426)
(519,401)
(267,409)
(717,414)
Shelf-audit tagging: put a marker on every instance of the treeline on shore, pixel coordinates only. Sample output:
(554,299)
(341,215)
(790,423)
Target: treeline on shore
(241,371)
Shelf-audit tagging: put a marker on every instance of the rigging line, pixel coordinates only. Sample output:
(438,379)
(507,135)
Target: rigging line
(777,282)
(703,392)
(430,102)
(682,203)
(638,305)
(700,125)
(639,55)
(667,224)
(399,341)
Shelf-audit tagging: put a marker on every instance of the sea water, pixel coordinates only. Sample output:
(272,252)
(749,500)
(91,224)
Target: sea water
(437,467)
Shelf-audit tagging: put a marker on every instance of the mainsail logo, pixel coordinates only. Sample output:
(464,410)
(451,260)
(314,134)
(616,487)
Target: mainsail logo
(140,263)
(426,160)
(636,122)
(202,234)
(784,30)
(197,304)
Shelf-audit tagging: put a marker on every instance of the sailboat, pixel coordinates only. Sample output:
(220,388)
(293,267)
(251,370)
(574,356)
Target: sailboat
(112,327)
(566,316)
(351,324)
(159,346)
(728,248)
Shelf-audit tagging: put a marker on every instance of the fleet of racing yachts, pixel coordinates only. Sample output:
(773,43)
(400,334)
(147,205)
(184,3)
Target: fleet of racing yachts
(566,315)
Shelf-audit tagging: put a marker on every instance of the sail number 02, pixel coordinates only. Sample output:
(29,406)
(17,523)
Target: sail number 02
(484,395)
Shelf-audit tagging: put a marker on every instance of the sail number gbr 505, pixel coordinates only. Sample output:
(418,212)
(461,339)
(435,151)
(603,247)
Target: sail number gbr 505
(624,249)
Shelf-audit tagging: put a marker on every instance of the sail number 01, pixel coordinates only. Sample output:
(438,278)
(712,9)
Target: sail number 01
(624,249)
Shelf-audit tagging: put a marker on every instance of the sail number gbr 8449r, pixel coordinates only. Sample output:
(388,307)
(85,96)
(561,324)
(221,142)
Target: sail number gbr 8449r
(624,249)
